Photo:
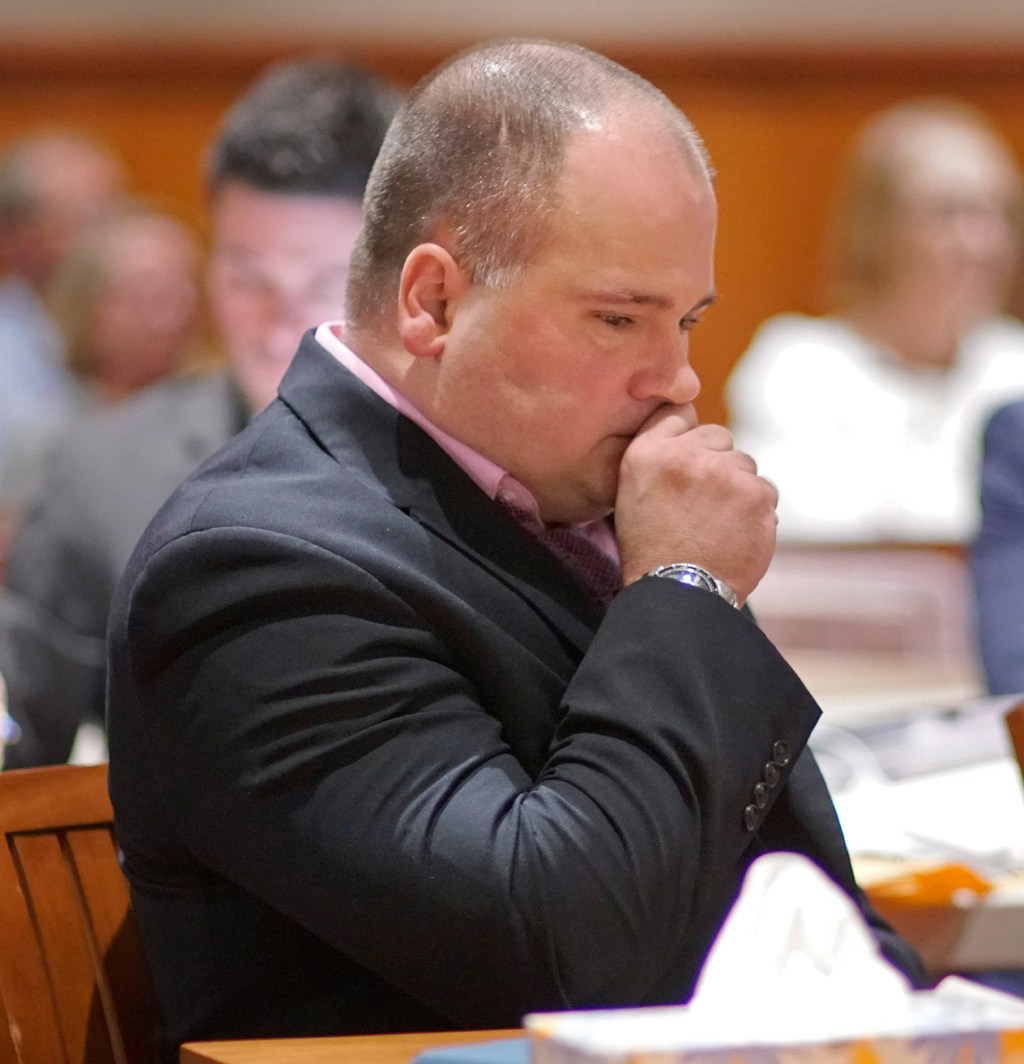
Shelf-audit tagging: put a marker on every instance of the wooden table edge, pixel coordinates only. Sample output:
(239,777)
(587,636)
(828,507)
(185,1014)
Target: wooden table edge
(341,1049)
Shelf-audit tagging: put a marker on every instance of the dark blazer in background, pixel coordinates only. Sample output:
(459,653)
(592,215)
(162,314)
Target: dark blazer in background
(997,557)
(99,489)
(378,763)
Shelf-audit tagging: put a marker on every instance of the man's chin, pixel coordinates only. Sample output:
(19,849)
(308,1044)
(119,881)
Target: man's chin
(580,507)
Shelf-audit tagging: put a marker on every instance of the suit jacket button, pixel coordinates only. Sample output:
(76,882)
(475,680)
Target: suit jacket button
(780,753)
(751,818)
(760,795)
(772,774)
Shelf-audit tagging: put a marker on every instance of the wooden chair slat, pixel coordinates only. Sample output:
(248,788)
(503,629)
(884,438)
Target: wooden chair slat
(73,983)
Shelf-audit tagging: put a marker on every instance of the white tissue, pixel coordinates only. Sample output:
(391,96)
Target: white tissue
(796,951)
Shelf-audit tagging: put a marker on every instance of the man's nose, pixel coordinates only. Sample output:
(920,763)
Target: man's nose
(669,377)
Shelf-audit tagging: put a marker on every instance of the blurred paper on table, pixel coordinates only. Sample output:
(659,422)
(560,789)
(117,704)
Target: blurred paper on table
(794,972)
(940,785)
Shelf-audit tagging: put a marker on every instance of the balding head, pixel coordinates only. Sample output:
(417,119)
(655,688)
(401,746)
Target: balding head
(473,160)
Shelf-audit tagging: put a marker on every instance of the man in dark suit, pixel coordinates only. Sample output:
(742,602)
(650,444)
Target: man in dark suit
(382,756)
(997,555)
(285,175)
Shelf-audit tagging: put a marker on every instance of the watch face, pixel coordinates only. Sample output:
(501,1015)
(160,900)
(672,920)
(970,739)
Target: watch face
(695,576)
(692,575)
(698,580)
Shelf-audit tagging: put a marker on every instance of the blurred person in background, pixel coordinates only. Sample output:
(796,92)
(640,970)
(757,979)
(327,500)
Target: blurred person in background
(126,300)
(9,730)
(52,185)
(868,420)
(997,555)
(285,180)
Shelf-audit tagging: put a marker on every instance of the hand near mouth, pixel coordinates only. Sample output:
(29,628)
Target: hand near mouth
(686,495)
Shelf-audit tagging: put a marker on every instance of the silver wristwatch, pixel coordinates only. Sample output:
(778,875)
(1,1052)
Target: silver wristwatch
(695,576)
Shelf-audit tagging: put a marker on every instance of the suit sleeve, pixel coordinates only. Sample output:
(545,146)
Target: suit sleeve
(318,744)
(997,556)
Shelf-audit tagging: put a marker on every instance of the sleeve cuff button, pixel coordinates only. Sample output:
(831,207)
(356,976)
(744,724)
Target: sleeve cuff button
(751,817)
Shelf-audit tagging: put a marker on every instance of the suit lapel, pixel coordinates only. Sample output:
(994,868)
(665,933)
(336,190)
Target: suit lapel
(364,434)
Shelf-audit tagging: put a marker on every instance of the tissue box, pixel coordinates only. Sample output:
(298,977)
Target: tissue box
(953,1025)
(820,992)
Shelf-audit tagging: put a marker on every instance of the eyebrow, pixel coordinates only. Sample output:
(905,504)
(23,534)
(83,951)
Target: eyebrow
(645,299)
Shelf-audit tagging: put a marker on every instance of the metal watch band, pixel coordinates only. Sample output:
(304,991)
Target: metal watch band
(695,576)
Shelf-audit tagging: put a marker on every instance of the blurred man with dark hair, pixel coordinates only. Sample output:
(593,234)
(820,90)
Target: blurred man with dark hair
(285,178)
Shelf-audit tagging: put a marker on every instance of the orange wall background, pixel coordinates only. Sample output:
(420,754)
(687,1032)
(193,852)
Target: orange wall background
(777,123)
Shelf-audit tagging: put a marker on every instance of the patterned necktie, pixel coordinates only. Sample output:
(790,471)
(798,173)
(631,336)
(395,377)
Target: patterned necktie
(600,574)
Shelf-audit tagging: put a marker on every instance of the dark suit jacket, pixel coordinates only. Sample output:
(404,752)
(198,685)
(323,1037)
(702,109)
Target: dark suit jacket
(378,763)
(997,557)
(106,478)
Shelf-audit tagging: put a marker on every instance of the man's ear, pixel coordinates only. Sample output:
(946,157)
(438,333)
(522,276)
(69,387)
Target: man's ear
(432,284)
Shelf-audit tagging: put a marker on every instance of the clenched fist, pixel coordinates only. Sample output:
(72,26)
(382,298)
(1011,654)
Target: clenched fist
(685,495)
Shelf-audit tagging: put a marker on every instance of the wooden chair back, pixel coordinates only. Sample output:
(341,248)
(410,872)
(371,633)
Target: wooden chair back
(1015,726)
(73,983)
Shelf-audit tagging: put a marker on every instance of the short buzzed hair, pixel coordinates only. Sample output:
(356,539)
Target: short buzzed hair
(310,127)
(478,149)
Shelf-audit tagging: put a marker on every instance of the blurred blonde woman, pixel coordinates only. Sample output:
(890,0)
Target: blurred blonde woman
(868,419)
(127,301)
